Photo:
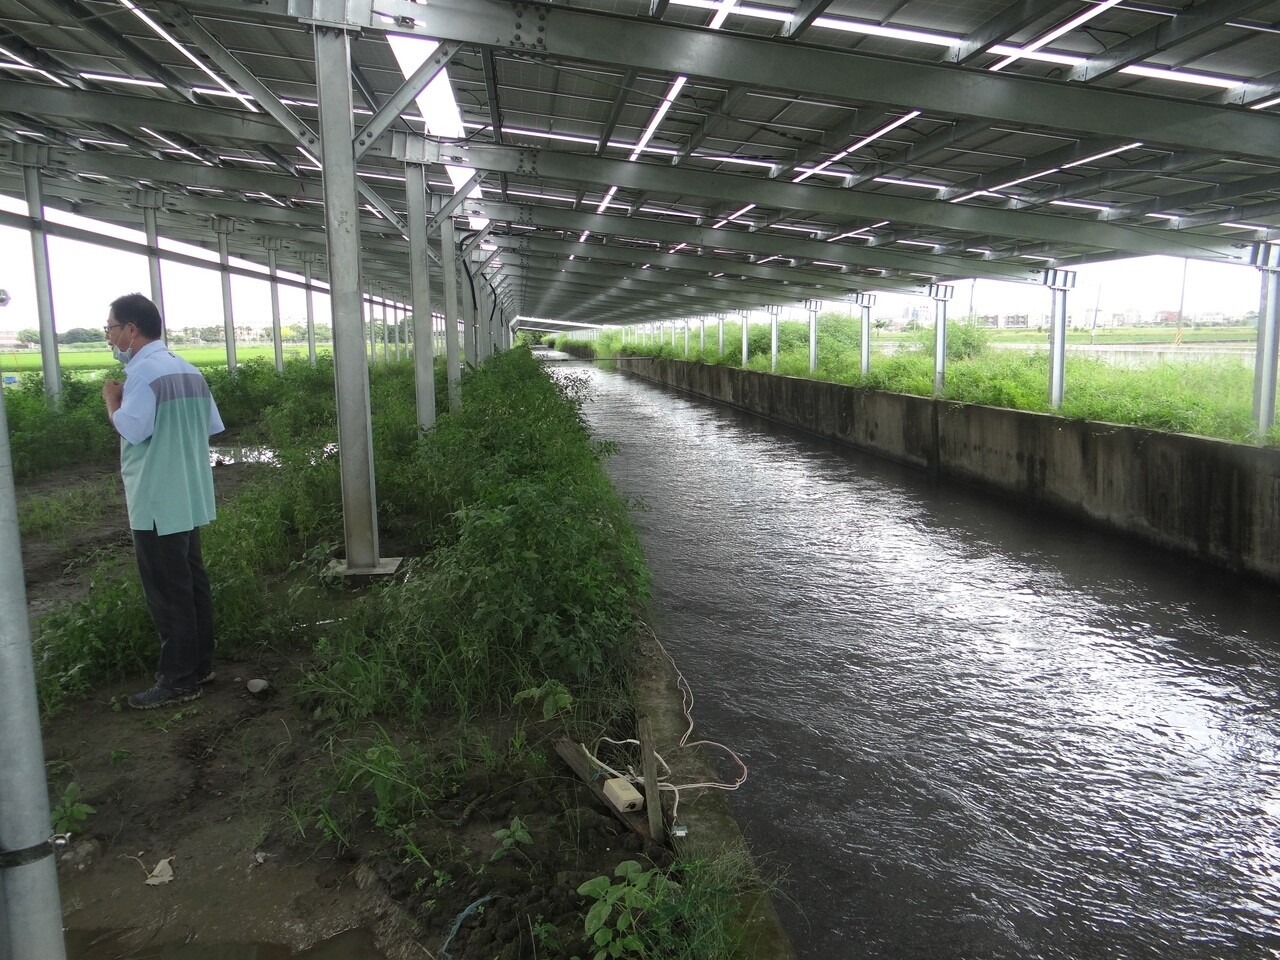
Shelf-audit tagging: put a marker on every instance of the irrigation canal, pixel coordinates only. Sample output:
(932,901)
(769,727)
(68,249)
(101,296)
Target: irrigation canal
(972,731)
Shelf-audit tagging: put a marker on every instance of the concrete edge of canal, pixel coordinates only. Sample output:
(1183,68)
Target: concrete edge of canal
(712,829)
(1215,500)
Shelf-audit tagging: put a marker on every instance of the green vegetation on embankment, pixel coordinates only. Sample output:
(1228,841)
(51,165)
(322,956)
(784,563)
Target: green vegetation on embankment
(440,692)
(1212,399)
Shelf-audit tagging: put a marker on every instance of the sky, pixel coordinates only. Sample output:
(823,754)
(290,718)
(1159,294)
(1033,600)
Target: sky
(86,278)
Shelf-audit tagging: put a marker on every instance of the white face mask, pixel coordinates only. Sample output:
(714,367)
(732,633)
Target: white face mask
(124,356)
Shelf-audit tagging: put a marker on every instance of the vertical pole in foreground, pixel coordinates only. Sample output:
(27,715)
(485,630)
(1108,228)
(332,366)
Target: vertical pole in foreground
(813,306)
(273,245)
(940,293)
(222,226)
(44,287)
(1266,257)
(686,337)
(150,202)
(866,301)
(415,187)
(449,268)
(30,908)
(702,333)
(720,325)
(351,373)
(774,310)
(308,259)
(1058,282)
(744,314)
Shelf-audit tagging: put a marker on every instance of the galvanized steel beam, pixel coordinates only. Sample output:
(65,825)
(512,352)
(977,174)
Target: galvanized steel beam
(1187,25)
(942,89)
(726,187)
(49,366)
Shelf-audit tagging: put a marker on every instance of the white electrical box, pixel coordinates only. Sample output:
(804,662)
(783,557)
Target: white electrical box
(622,795)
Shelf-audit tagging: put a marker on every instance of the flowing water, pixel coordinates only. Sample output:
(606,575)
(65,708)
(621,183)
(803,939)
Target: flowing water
(973,731)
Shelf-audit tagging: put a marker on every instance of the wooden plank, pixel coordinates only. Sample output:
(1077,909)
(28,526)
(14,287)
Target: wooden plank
(582,763)
(649,766)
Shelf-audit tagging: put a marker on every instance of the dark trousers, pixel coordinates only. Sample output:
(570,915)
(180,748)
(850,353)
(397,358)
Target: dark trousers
(177,591)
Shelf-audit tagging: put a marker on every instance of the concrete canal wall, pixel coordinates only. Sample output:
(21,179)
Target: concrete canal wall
(1212,499)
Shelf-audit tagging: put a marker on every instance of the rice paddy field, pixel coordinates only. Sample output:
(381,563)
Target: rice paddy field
(99,358)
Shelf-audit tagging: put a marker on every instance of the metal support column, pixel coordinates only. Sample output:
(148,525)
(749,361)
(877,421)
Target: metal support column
(30,908)
(151,201)
(686,337)
(1058,282)
(813,306)
(720,327)
(1266,257)
(449,268)
(484,338)
(866,301)
(351,373)
(392,351)
(384,324)
(744,314)
(940,293)
(223,228)
(402,330)
(702,333)
(44,286)
(308,260)
(273,245)
(774,310)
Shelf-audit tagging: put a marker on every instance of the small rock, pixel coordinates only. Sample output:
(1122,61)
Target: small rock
(82,855)
(257,686)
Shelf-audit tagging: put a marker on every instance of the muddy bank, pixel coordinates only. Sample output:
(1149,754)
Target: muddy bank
(225,790)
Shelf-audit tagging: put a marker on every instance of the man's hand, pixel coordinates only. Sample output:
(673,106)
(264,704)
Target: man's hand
(112,396)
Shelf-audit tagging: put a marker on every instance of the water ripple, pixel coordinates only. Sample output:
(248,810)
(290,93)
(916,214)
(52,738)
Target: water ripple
(973,732)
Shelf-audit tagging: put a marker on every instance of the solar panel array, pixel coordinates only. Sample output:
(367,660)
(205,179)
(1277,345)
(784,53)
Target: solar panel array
(647,159)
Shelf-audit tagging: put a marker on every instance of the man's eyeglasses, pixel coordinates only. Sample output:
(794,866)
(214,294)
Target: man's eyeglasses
(113,326)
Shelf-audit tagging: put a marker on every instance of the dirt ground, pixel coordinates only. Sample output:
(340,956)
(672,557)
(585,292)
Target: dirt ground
(210,787)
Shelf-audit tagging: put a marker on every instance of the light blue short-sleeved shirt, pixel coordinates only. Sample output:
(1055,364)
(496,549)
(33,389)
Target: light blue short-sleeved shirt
(166,417)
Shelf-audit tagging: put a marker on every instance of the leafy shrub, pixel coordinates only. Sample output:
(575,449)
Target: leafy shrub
(535,572)
(75,432)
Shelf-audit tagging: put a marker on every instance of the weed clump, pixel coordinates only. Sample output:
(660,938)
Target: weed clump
(534,572)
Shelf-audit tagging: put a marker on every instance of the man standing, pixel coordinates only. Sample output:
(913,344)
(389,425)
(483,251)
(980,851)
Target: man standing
(165,415)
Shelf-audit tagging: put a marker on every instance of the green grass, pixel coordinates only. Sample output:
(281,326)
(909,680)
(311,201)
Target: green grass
(78,432)
(1104,335)
(99,358)
(1207,398)
(59,514)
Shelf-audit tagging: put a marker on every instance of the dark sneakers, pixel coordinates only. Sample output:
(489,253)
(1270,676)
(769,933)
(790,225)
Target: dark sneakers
(162,696)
